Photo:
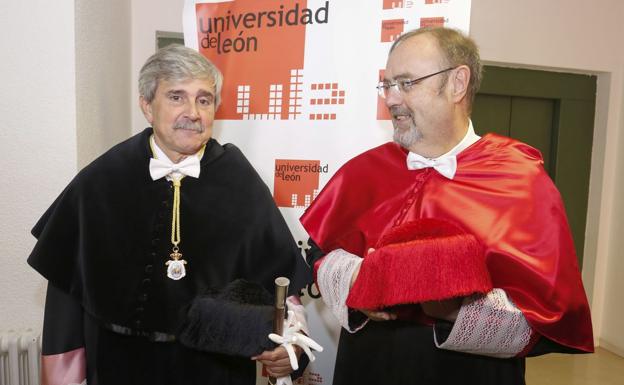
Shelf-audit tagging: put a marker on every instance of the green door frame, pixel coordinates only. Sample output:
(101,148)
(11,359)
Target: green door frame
(574,99)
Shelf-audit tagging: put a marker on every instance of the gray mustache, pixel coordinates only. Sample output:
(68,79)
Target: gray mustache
(189,125)
(397,110)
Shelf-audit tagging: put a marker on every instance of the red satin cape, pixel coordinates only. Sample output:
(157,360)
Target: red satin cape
(500,193)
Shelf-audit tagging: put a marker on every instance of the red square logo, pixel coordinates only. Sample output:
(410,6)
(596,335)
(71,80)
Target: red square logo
(296,182)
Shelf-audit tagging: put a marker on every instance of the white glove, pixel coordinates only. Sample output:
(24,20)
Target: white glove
(290,337)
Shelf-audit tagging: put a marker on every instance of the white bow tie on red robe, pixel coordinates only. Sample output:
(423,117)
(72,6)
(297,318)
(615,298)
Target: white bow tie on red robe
(446,166)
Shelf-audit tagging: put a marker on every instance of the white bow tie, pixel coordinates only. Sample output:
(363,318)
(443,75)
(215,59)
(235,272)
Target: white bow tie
(446,166)
(159,168)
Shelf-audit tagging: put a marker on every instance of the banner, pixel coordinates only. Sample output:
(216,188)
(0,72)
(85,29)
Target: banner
(299,97)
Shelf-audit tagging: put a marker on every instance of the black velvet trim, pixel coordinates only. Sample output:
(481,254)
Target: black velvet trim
(304,361)
(356,318)
(442,330)
(405,353)
(62,323)
(313,253)
(545,346)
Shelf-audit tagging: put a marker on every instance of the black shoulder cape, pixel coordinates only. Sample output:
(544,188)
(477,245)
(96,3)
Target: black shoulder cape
(106,238)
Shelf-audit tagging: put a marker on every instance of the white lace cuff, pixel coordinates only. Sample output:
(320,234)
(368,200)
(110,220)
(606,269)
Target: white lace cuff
(294,304)
(334,278)
(489,325)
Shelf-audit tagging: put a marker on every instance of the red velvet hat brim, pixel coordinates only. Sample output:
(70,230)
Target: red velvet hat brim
(440,262)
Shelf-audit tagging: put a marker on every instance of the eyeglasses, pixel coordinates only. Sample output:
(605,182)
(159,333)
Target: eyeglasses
(404,85)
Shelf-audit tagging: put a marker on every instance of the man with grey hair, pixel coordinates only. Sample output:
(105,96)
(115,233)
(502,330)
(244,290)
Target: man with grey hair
(427,202)
(160,250)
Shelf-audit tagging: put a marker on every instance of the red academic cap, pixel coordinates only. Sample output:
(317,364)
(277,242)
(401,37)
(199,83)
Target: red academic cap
(424,260)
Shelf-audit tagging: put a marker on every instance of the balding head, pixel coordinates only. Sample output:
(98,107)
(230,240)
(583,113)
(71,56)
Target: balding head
(456,49)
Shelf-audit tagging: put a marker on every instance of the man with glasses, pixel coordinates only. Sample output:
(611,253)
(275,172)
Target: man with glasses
(440,173)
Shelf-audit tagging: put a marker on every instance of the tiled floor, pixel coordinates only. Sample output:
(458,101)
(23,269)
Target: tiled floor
(600,368)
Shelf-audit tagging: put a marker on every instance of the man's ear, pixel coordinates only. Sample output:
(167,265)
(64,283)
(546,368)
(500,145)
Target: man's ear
(146,107)
(459,81)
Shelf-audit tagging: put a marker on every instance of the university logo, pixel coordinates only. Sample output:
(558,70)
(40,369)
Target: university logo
(260,46)
(296,182)
(391,4)
(432,21)
(391,30)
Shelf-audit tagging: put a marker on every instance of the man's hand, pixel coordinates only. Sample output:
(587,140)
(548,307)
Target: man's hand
(375,315)
(276,361)
(379,315)
(446,310)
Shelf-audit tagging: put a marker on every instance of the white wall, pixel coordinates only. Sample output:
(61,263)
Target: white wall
(65,99)
(102,76)
(149,16)
(37,140)
(612,265)
(583,36)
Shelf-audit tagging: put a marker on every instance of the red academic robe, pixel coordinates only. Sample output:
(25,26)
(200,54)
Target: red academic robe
(500,193)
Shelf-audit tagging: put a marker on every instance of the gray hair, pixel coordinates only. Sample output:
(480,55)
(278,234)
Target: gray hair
(458,49)
(176,62)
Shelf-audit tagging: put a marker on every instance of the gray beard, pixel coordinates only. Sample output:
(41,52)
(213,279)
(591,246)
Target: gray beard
(407,138)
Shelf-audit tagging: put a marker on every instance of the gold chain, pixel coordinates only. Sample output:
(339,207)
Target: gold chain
(175,216)
(176,237)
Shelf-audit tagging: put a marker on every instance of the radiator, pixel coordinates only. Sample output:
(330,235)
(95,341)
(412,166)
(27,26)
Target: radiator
(20,354)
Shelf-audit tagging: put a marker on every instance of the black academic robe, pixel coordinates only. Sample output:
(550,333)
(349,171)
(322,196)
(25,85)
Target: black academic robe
(104,242)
